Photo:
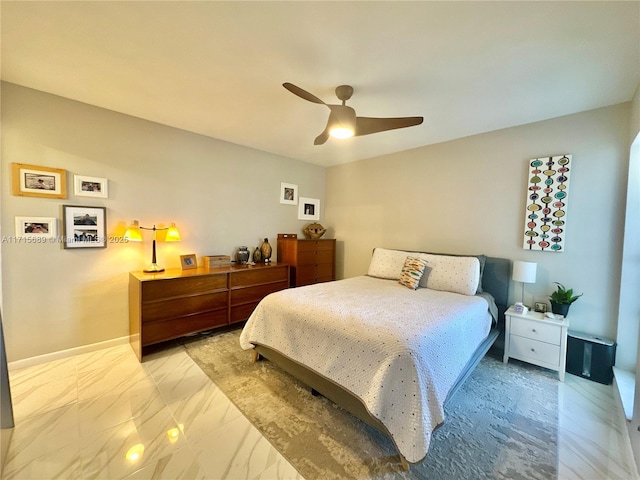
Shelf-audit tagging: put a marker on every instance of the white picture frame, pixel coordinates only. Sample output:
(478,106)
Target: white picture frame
(37,228)
(308,208)
(288,193)
(95,187)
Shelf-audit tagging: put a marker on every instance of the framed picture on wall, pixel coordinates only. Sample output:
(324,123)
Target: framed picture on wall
(84,227)
(34,181)
(91,186)
(308,209)
(37,229)
(289,193)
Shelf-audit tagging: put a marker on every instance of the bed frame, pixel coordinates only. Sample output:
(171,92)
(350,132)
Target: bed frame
(495,280)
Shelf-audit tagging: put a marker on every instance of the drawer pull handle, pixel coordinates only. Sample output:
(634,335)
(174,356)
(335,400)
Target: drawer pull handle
(533,350)
(533,330)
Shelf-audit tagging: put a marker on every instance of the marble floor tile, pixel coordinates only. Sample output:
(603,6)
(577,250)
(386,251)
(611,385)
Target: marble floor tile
(33,396)
(240,451)
(205,411)
(106,357)
(121,450)
(104,415)
(281,470)
(107,379)
(39,435)
(62,463)
(105,411)
(183,381)
(179,465)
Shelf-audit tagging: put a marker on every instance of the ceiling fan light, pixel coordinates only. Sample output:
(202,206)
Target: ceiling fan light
(341,132)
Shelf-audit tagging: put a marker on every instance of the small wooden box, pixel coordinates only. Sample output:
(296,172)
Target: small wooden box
(211,261)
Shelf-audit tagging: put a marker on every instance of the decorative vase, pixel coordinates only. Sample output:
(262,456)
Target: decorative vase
(560,308)
(243,255)
(257,255)
(314,231)
(266,250)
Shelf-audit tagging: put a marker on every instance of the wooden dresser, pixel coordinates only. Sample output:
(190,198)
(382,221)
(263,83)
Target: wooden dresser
(311,261)
(178,302)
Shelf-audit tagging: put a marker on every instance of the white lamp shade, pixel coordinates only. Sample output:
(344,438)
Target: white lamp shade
(524,272)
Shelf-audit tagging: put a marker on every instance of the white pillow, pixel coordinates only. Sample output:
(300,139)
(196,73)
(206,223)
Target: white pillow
(451,274)
(387,263)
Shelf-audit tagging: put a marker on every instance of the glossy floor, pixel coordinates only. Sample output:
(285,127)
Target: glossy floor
(104,415)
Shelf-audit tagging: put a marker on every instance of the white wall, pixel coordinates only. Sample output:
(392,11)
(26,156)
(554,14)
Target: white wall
(468,196)
(628,329)
(220,195)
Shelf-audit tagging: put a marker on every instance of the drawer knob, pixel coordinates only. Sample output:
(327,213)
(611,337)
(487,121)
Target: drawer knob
(533,330)
(533,349)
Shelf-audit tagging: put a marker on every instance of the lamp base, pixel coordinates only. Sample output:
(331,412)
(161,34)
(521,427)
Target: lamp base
(154,268)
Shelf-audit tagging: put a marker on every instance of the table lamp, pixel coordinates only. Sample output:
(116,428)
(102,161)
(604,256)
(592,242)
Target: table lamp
(524,272)
(134,234)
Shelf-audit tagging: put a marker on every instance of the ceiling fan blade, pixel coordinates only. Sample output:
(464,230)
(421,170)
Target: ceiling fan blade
(366,125)
(302,93)
(323,137)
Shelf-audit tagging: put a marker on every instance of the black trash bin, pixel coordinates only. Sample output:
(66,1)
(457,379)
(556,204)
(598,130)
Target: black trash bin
(590,356)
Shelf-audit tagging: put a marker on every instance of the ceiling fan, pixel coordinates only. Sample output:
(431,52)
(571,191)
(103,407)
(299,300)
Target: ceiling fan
(343,122)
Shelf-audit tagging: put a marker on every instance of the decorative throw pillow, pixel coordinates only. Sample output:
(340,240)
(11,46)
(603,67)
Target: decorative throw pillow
(412,272)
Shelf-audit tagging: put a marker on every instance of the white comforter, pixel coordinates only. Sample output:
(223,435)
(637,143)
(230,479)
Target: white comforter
(397,349)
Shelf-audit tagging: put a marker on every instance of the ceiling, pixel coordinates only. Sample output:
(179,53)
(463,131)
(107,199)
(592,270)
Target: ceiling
(217,68)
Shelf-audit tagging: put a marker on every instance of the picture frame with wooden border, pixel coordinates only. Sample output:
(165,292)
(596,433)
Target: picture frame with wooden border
(36,181)
(188,262)
(95,187)
(84,227)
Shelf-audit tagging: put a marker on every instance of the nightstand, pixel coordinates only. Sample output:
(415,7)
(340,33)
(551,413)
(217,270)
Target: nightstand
(536,339)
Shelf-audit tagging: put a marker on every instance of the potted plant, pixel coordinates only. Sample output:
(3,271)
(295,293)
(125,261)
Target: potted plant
(562,299)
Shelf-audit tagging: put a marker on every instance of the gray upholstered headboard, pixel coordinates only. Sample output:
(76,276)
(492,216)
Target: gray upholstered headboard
(496,280)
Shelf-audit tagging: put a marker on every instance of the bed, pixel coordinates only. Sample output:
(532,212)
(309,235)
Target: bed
(391,354)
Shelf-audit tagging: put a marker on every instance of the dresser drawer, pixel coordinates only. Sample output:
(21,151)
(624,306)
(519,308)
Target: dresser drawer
(180,306)
(312,274)
(534,349)
(160,289)
(301,281)
(535,330)
(315,245)
(258,276)
(257,293)
(314,258)
(162,331)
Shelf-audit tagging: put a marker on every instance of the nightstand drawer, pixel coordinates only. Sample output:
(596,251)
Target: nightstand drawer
(536,330)
(540,351)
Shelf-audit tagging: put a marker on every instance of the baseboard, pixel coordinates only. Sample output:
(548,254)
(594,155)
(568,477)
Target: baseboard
(70,352)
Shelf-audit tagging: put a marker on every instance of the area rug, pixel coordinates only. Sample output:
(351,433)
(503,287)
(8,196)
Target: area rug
(501,423)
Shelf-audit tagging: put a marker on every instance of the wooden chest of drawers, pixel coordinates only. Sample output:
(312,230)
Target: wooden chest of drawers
(311,261)
(176,302)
